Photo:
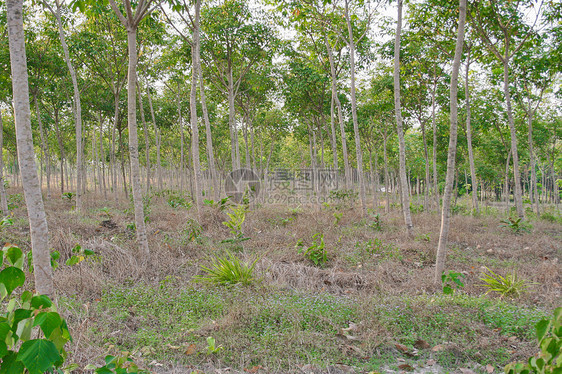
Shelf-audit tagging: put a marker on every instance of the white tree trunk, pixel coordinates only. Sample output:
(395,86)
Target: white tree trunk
(193,109)
(446,212)
(3,198)
(469,143)
(26,155)
(398,113)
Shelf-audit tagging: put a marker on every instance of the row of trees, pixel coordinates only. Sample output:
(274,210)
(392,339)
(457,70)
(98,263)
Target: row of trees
(287,84)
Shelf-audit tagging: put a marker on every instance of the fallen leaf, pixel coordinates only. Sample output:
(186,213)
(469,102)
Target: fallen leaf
(352,327)
(438,348)
(190,349)
(173,346)
(489,369)
(401,347)
(253,369)
(430,362)
(466,371)
(421,344)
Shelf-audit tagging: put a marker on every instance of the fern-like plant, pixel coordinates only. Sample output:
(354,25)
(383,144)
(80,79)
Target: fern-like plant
(510,285)
(228,270)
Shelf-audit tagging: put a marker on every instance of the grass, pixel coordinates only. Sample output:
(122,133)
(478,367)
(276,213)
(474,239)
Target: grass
(298,313)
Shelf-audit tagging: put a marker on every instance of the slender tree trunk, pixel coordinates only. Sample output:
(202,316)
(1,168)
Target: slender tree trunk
(401,142)
(427,178)
(506,183)
(157,135)
(146,140)
(516,176)
(333,134)
(113,156)
(193,102)
(358,151)
(232,123)
(44,146)
(446,212)
(469,142)
(134,144)
(76,108)
(346,168)
(434,126)
(533,185)
(182,142)
(386,174)
(3,197)
(209,138)
(26,155)
(102,159)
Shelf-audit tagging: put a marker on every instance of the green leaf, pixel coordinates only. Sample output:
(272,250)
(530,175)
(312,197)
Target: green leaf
(11,278)
(38,355)
(26,296)
(41,301)
(14,255)
(4,330)
(73,260)
(3,348)
(89,252)
(48,321)
(10,364)
(542,328)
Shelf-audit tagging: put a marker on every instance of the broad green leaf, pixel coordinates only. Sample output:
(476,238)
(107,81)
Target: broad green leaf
(11,278)
(38,355)
(4,330)
(3,348)
(103,370)
(48,321)
(73,260)
(542,328)
(14,255)
(10,364)
(41,301)
(89,252)
(26,296)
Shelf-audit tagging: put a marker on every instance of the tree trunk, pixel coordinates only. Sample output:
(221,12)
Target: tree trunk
(157,135)
(209,138)
(193,103)
(469,142)
(434,126)
(146,140)
(232,123)
(446,212)
(426,157)
(398,111)
(533,185)
(386,174)
(516,177)
(134,144)
(26,155)
(44,146)
(76,108)
(358,151)
(3,197)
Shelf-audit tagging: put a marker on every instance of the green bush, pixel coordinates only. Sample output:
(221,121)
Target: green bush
(510,285)
(228,270)
(25,317)
(315,252)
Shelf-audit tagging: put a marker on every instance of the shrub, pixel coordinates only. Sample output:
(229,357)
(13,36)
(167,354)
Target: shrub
(237,216)
(315,252)
(25,317)
(516,225)
(510,285)
(450,280)
(549,359)
(228,270)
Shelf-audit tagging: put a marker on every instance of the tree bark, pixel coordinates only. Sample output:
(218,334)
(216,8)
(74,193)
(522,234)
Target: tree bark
(3,197)
(157,135)
(209,138)
(358,151)
(146,140)
(26,155)
(44,146)
(469,141)
(446,212)
(193,110)
(398,113)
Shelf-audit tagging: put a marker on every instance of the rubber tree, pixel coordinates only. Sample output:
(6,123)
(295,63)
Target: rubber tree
(452,153)
(26,154)
(400,128)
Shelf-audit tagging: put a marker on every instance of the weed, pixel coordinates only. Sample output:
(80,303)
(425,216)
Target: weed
(510,285)
(551,217)
(212,346)
(375,221)
(15,201)
(228,270)
(120,364)
(516,225)
(423,238)
(415,208)
(315,252)
(235,223)
(338,216)
(106,212)
(343,198)
(450,280)
(549,359)
(220,205)
(378,249)
(6,221)
(193,231)
(176,201)
(68,195)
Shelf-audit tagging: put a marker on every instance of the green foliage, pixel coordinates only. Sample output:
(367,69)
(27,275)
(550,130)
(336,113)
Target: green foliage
(343,198)
(212,347)
(15,201)
(423,238)
(338,216)
(235,222)
(516,225)
(378,249)
(120,364)
(6,221)
(193,231)
(549,359)
(375,221)
(415,208)
(106,212)
(176,201)
(79,255)
(551,217)
(228,270)
(28,316)
(221,204)
(450,280)
(316,251)
(68,196)
(510,285)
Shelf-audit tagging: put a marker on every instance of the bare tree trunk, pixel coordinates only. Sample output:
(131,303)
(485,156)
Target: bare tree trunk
(333,135)
(3,197)
(232,123)
(446,212)
(426,157)
(358,151)
(516,176)
(102,159)
(193,102)
(434,126)
(44,146)
(146,140)
(157,135)
(469,142)
(386,174)
(26,155)
(76,108)
(209,136)
(113,156)
(401,143)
